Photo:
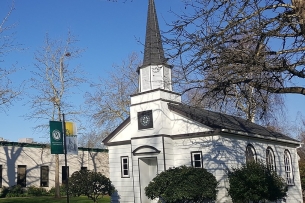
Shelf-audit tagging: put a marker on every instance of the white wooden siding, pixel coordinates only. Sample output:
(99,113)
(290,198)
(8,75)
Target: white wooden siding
(224,152)
(124,186)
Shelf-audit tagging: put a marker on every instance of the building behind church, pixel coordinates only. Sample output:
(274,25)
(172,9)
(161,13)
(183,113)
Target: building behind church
(30,164)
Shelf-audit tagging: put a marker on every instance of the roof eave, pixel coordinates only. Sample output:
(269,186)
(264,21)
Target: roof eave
(295,142)
(118,129)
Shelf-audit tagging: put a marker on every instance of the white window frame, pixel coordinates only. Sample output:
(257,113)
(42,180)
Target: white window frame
(270,159)
(194,159)
(288,168)
(125,167)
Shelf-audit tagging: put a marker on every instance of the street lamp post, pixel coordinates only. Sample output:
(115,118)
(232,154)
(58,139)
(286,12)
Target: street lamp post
(57,102)
(65,148)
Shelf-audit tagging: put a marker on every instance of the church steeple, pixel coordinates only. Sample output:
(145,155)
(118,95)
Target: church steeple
(153,51)
(154,73)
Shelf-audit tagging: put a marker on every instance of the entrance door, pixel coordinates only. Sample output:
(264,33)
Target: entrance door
(148,169)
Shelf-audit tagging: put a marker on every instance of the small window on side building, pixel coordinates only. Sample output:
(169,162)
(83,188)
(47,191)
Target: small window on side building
(44,176)
(21,175)
(65,174)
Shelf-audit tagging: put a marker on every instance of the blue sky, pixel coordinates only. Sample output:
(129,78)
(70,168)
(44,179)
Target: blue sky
(108,31)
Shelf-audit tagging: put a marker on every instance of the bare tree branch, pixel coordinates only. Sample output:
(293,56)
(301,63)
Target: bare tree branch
(240,53)
(111,100)
(53,81)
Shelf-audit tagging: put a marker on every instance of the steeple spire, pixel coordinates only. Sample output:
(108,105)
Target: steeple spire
(153,51)
(155,73)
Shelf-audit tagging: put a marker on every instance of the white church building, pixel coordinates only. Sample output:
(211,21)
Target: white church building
(161,132)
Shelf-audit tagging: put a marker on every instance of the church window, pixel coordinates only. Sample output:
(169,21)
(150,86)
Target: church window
(196,159)
(270,159)
(288,168)
(250,153)
(125,167)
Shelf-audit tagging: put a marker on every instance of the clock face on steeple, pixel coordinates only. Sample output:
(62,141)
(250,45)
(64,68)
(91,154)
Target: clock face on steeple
(145,120)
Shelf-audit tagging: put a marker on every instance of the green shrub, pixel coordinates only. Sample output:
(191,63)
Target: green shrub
(255,182)
(76,182)
(183,184)
(13,191)
(62,191)
(52,191)
(90,183)
(36,191)
(4,191)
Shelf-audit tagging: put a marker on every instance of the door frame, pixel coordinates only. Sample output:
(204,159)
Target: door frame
(141,159)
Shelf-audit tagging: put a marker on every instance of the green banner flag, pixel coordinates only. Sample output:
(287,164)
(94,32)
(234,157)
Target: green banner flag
(56,136)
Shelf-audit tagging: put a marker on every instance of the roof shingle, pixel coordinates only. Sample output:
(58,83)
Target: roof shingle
(223,121)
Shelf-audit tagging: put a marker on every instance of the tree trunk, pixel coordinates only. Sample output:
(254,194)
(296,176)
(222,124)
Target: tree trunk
(300,12)
(57,190)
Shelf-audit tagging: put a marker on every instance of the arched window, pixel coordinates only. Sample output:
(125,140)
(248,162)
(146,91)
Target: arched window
(288,168)
(270,159)
(250,153)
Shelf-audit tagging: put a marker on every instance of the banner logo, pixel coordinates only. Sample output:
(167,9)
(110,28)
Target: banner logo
(56,135)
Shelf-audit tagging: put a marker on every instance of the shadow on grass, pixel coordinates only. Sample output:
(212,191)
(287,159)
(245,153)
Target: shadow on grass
(81,199)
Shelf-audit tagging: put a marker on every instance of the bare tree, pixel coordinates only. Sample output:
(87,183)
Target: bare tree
(241,100)
(52,83)
(92,138)
(209,46)
(111,100)
(7,44)
(245,103)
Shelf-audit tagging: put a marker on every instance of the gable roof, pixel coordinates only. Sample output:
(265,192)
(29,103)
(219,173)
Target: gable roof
(225,122)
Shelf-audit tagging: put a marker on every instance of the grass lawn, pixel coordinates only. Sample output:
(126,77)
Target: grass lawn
(81,199)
